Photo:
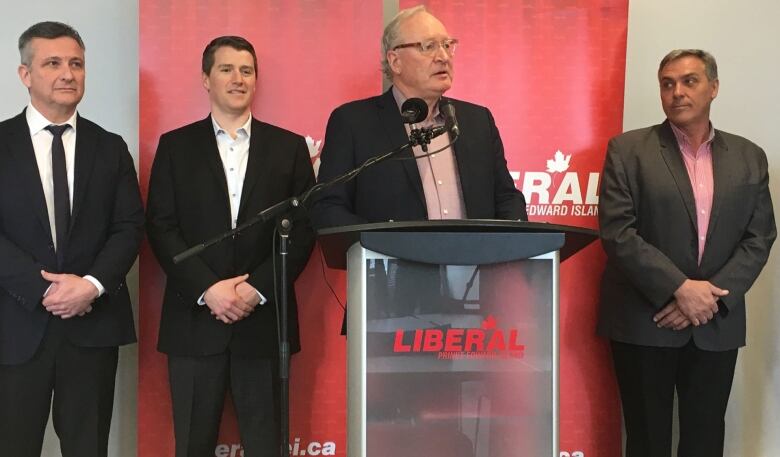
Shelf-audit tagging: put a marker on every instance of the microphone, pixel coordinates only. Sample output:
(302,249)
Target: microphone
(414,110)
(451,122)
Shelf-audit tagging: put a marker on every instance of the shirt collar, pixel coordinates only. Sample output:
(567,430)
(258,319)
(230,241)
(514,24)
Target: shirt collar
(246,128)
(37,121)
(400,98)
(682,138)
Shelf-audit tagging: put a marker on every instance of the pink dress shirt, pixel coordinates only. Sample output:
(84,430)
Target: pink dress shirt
(438,172)
(699,166)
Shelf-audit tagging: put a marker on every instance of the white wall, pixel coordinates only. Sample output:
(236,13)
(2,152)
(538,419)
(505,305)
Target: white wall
(109,29)
(743,37)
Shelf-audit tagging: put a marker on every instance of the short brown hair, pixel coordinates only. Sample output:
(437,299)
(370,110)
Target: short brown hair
(236,42)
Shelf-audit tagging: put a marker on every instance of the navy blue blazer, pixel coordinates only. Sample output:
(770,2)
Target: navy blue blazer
(392,190)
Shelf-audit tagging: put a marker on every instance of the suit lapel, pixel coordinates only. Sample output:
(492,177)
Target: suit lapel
(21,148)
(391,120)
(670,151)
(86,149)
(720,174)
(207,149)
(461,152)
(256,165)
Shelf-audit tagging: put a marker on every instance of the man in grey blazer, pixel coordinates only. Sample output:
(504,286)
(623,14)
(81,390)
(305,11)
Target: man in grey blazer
(687,224)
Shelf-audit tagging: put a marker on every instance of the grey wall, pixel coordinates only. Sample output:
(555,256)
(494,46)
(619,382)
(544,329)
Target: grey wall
(743,36)
(110,32)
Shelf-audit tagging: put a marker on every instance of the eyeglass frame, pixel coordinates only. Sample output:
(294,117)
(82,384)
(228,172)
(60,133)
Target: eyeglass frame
(452,42)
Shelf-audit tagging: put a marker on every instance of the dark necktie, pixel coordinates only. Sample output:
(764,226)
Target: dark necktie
(61,192)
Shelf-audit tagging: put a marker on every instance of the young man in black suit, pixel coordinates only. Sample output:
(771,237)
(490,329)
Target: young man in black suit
(219,318)
(71,222)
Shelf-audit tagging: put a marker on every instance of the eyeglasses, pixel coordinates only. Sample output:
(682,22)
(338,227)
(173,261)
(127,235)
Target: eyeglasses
(430,47)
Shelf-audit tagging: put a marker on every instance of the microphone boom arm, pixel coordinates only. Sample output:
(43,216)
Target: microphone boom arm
(417,137)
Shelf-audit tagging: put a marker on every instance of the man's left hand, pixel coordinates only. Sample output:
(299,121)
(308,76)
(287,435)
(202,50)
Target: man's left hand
(69,295)
(248,294)
(671,317)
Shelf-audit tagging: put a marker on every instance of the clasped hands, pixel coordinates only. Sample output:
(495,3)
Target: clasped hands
(232,299)
(695,303)
(68,295)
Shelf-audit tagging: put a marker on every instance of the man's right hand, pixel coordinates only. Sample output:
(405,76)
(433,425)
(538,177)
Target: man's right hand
(224,301)
(698,300)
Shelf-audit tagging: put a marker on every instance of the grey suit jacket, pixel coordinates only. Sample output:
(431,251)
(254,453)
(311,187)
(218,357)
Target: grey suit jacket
(647,217)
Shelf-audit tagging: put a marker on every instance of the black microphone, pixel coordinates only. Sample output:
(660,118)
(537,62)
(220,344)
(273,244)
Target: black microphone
(414,110)
(450,121)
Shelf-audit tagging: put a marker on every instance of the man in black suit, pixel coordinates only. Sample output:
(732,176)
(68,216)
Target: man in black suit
(71,222)
(219,317)
(687,223)
(467,180)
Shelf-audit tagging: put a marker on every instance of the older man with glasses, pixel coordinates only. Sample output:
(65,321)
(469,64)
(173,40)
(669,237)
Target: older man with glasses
(464,180)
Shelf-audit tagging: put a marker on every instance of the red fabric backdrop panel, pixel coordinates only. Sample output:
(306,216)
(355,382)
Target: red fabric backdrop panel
(313,56)
(552,72)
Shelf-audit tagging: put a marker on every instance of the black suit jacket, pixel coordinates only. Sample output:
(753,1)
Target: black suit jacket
(647,215)
(105,232)
(393,189)
(188,204)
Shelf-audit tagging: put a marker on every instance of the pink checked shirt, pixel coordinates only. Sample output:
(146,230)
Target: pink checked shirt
(699,166)
(438,172)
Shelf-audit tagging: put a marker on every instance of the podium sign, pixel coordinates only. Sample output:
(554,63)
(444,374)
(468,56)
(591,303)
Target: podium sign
(452,342)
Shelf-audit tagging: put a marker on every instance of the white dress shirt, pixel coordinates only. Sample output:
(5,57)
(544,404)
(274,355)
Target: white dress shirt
(41,140)
(235,155)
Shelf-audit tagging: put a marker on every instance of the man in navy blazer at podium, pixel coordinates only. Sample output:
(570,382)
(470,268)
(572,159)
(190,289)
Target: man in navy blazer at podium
(466,180)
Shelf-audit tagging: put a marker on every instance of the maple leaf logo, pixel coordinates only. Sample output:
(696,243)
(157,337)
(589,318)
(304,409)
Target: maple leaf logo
(314,153)
(559,163)
(489,323)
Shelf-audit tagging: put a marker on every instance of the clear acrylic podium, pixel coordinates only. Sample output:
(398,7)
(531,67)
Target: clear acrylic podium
(452,336)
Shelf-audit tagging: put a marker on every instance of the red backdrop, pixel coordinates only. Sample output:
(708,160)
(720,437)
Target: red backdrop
(552,72)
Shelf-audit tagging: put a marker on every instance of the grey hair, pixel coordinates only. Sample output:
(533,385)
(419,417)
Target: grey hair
(710,66)
(391,32)
(49,30)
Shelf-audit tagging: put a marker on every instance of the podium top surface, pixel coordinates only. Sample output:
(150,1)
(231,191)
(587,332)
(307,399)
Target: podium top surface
(335,241)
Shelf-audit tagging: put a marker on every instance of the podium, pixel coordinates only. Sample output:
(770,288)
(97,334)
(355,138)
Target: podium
(452,346)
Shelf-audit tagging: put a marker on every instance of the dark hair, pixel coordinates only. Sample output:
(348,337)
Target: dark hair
(710,66)
(48,30)
(236,42)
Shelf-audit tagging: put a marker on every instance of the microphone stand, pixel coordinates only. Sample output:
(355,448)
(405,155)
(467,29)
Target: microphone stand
(280,212)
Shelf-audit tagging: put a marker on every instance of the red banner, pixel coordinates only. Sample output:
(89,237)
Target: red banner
(312,57)
(551,72)
(553,75)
